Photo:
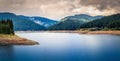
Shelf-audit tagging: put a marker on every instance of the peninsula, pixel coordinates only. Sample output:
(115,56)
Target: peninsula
(8,37)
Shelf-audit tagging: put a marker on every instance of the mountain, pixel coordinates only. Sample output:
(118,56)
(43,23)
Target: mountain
(73,22)
(82,17)
(112,21)
(21,24)
(40,20)
(66,25)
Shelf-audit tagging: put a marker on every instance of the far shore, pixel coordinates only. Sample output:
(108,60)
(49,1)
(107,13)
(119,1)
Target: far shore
(112,32)
(14,40)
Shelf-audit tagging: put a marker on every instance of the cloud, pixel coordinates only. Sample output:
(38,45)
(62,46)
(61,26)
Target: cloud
(57,9)
(102,4)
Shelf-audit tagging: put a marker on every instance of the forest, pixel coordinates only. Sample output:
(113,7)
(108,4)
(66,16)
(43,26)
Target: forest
(108,22)
(6,27)
(111,22)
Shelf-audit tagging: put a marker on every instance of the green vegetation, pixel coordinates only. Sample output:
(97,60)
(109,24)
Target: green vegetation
(109,22)
(73,22)
(7,36)
(66,25)
(6,27)
(114,24)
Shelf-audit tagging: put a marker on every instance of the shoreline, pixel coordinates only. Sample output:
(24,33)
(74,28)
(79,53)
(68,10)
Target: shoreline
(115,32)
(6,40)
(105,32)
(112,32)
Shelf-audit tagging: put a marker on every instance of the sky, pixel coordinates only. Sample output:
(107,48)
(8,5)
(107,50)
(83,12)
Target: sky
(57,9)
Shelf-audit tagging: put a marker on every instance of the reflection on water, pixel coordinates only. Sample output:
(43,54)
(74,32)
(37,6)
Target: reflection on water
(64,47)
(6,53)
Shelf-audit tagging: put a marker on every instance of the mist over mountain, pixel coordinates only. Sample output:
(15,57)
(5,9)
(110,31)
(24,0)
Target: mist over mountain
(73,22)
(40,20)
(35,23)
(24,23)
(83,17)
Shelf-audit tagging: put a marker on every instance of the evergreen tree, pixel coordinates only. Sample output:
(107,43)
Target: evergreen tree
(6,27)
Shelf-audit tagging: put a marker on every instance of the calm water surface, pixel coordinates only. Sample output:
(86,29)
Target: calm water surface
(64,47)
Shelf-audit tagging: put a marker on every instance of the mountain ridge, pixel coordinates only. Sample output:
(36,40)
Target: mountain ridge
(73,22)
(21,24)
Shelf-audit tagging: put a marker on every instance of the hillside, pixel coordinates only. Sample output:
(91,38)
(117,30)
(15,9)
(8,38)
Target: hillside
(112,21)
(73,22)
(25,23)
(40,20)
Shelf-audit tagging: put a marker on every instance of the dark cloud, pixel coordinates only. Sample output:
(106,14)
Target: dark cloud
(102,4)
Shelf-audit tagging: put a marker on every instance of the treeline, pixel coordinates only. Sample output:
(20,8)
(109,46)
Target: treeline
(6,27)
(108,22)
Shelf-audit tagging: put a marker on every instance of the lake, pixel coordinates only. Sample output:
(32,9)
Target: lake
(64,47)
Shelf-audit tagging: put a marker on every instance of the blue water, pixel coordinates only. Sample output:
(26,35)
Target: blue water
(64,47)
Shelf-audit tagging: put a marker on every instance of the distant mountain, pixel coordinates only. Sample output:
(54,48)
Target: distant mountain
(112,21)
(82,17)
(21,24)
(40,20)
(73,22)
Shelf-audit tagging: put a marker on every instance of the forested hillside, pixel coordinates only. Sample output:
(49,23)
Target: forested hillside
(66,25)
(46,22)
(112,21)
(21,24)
(73,22)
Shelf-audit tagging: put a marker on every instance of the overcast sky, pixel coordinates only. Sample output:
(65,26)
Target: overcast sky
(57,9)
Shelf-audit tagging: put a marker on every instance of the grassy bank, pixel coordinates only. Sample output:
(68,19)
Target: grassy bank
(15,40)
